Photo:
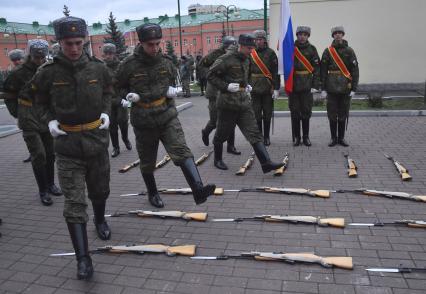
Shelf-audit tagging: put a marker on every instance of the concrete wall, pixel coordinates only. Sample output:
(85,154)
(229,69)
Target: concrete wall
(387,35)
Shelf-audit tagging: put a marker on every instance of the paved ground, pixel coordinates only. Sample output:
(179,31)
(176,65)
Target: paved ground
(31,232)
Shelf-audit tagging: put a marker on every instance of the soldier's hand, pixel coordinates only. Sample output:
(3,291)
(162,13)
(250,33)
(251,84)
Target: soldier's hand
(105,121)
(276,94)
(133,97)
(172,92)
(125,103)
(313,90)
(352,94)
(54,129)
(249,88)
(233,87)
(323,95)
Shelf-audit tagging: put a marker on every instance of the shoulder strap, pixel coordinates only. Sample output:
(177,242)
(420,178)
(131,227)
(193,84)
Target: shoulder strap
(303,60)
(338,60)
(263,68)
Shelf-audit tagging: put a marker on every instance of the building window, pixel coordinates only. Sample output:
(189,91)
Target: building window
(194,42)
(185,42)
(176,43)
(216,39)
(208,40)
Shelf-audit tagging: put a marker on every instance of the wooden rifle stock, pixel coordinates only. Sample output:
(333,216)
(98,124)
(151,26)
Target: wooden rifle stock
(281,170)
(197,216)
(403,172)
(352,168)
(129,166)
(163,162)
(334,222)
(246,165)
(203,158)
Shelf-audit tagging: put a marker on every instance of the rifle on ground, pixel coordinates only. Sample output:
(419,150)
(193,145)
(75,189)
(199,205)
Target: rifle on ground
(403,172)
(126,168)
(352,168)
(289,191)
(203,158)
(340,262)
(163,161)
(404,222)
(196,216)
(388,194)
(179,191)
(397,270)
(246,165)
(280,171)
(187,250)
(323,222)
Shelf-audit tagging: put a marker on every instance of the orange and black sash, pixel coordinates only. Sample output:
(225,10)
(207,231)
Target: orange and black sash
(338,60)
(303,60)
(263,68)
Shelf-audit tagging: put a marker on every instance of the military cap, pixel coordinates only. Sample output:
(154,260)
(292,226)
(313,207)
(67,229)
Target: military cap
(259,34)
(109,48)
(228,41)
(16,54)
(303,29)
(149,31)
(337,29)
(69,27)
(246,40)
(38,47)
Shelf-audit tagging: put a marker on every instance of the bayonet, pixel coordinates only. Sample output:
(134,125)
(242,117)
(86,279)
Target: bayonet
(388,194)
(408,223)
(397,270)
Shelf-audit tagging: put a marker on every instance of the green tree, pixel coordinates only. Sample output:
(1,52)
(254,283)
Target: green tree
(66,11)
(115,36)
(171,52)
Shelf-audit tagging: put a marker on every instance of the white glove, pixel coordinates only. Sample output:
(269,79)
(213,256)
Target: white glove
(313,90)
(323,94)
(352,94)
(125,103)
(54,129)
(133,97)
(172,92)
(105,121)
(276,94)
(233,87)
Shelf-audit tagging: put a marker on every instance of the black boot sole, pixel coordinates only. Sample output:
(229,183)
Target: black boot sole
(268,167)
(87,274)
(158,203)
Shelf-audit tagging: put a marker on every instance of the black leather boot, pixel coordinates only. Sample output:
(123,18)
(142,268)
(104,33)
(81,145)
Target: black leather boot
(218,162)
(153,196)
(192,176)
(205,133)
(341,133)
(305,128)
(296,131)
(263,156)
(231,144)
(102,228)
(78,235)
(50,171)
(124,128)
(41,179)
(333,131)
(266,129)
(114,142)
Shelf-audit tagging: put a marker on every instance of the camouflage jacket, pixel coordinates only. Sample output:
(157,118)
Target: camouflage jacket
(149,77)
(302,81)
(200,70)
(30,118)
(232,67)
(74,93)
(112,66)
(331,78)
(260,83)
(206,62)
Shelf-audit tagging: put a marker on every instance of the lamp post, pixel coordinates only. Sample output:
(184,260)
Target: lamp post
(180,30)
(226,12)
(6,35)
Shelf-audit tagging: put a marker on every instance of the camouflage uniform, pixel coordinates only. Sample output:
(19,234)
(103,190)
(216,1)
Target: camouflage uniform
(301,99)
(234,107)
(263,87)
(153,115)
(32,121)
(338,87)
(201,72)
(185,75)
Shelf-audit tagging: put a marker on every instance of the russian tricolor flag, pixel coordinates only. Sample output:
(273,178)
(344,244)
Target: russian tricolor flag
(286,46)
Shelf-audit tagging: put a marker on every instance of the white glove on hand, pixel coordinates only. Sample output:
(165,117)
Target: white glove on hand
(249,88)
(133,97)
(125,103)
(105,121)
(233,87)
(276,94)
(323,95)
(352,94)
(313,90)
(54,129)
(172,92)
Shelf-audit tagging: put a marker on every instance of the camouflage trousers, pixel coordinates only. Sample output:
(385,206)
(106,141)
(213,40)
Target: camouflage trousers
(40,146)
(300,104)
(185,87)
(262,106)
(75,174)
(243,118)
(338,106)
(173,138)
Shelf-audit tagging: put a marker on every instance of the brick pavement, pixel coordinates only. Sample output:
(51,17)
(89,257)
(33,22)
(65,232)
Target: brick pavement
(31,232)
